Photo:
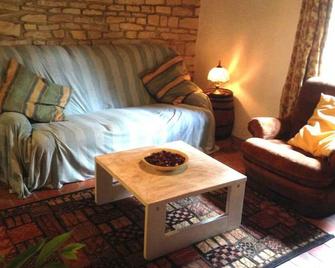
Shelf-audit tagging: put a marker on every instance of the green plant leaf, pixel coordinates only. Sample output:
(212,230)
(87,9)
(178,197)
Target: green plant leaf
(21,259)
(2,259)
(51,247)
(55,265)
(70,251)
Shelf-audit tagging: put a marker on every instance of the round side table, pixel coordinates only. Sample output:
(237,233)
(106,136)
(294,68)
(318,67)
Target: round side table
(223,105)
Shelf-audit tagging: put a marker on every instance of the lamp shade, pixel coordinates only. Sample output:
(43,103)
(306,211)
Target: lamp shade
(218,74)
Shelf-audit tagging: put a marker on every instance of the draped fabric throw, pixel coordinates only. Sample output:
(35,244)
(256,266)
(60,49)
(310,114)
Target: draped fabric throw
(307,51)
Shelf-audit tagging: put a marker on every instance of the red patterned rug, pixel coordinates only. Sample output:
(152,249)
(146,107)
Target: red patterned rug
(113,233)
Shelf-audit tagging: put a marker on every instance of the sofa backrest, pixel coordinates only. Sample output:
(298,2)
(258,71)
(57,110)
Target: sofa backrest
(309,97)
(106,76)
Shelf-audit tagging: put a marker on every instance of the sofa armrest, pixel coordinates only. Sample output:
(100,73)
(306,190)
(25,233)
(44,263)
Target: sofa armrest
(266,127)
(15,133)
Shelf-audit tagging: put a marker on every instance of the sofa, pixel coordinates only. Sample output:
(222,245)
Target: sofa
(286,173)
(109,110)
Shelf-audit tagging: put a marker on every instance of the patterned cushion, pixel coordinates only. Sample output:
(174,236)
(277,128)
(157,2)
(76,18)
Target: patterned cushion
(170,82)
(25,92)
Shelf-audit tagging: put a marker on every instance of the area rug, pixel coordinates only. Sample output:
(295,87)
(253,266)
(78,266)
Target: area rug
(113,233)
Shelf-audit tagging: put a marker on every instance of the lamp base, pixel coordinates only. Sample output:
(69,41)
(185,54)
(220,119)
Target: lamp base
(218,91)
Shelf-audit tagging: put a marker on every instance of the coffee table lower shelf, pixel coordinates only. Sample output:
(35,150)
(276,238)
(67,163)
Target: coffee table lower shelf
(156,241)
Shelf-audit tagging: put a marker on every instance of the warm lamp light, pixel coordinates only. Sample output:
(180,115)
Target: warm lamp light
(218,75)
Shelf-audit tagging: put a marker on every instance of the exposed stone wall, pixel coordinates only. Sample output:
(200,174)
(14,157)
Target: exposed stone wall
(53,22)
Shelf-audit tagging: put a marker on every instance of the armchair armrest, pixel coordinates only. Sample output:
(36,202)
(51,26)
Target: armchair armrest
(331,161)
(267,127)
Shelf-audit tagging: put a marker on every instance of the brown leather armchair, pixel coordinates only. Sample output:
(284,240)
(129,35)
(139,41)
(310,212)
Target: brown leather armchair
(286,173)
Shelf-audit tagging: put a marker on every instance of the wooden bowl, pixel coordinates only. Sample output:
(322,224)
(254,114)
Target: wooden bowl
(163,168)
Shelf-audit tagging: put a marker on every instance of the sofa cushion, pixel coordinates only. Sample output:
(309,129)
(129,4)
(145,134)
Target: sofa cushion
(170,81)
(318,135)
(284,160)
(25,92)
(82,137)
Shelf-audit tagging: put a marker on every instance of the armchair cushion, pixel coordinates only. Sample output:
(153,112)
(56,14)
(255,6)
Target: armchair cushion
(318,135)
(265,127)
(284,160)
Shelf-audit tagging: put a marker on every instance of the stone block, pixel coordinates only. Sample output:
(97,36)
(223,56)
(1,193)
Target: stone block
(78,35)
(147,35)
(192,2)
(133,8)
(48,27)
(11,42)
(131,19)
(163,10)
(163,21)
(113,35)
(9,6)
(28,26)
(187,37)
(34,18)
(131,26)
(58,33)
(153,20)
(142,21)
(173,2)
(190,49)
(154,2)
(116,7)
(71,26)
(55,10)
(74,11)
(131,34)
(52,3)
(61,18)
(189,23)
(95,27)
(114,27)
(78,4)
(113,19)
(10,29)
(92,12)
(129,2)
(173,22)
(38,35)
(148,9)
(169,36)
(97,6)
(94,35)
(182,11)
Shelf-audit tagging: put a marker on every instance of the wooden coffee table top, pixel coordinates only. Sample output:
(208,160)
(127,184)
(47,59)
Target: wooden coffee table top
(203,173)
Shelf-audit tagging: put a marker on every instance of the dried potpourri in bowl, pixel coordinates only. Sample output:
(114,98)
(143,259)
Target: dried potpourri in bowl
(165,159)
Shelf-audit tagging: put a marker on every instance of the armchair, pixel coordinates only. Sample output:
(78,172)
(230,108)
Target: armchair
(288,174)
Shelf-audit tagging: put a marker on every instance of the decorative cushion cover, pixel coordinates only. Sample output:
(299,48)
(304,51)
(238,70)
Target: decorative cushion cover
(318,136)
(170,82)
(25,92)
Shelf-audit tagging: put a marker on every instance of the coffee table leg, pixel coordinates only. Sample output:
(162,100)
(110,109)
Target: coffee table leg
(158,243)
(106,188)
(234,204)
(154,231)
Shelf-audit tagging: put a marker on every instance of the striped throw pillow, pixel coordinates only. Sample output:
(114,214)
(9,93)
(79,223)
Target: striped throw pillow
(170,82)
(25,92)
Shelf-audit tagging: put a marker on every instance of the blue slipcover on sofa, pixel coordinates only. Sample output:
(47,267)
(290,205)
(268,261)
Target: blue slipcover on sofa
(109,110)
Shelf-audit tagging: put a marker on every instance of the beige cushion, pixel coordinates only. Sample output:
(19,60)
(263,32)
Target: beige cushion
(318,135)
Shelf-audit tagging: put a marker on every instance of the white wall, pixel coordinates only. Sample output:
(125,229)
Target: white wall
(254,39)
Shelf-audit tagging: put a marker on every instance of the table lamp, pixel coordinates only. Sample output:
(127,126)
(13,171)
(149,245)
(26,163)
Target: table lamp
(218,75)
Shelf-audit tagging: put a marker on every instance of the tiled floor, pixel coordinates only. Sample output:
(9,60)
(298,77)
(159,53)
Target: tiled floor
(320,257)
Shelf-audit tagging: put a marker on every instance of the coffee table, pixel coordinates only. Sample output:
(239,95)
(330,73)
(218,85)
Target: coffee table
(122,174)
